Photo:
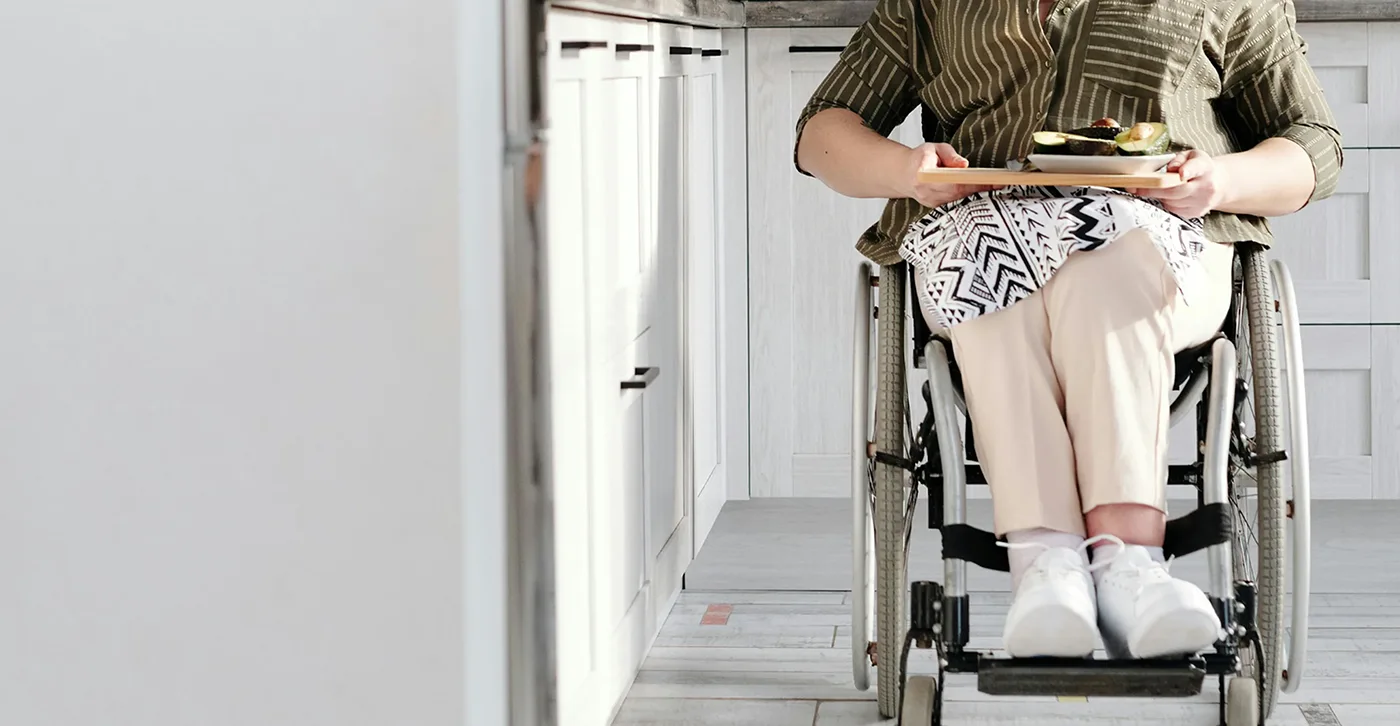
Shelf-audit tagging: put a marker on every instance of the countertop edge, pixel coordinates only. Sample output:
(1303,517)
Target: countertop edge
(702,13)
(851,13)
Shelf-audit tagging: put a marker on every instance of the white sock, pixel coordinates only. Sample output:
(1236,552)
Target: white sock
(1023,557)
(1107,551)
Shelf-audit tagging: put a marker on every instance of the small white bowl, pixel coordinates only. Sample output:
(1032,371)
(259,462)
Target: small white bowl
(1066,164)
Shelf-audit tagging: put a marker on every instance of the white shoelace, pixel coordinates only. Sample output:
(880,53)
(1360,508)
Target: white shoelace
(1082,549)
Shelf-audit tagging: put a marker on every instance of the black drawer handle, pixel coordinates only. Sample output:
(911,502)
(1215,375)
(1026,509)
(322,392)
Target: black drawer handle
(712,52)
(635,48)
(816,48)
(643,378)
(684,50)
(582,44)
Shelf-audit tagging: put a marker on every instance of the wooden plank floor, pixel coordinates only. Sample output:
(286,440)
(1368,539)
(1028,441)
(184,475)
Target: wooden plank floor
(781,657)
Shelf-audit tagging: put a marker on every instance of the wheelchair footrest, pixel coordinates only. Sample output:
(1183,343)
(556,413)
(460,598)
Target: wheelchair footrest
(1083,677)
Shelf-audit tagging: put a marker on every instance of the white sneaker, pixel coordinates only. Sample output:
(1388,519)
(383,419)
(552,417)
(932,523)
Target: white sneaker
(1144,612)
(1053,612)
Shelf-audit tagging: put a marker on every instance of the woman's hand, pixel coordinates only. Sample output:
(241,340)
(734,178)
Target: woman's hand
(934,156)
(1202,190)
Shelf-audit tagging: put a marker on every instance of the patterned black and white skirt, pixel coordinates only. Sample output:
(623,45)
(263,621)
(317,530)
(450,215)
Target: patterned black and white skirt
(988,251)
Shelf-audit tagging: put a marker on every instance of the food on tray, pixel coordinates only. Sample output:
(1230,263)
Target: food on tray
(1144,139)
(1104,128)
(1106,138)
(1059,142)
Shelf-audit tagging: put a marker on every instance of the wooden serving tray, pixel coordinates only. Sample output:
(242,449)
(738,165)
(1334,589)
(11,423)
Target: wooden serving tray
(1006,177)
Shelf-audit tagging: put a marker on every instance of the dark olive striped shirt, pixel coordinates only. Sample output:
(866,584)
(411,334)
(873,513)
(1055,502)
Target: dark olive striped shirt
(1223,75)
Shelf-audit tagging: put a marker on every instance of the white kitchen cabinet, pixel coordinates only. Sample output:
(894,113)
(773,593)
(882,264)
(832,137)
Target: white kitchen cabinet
(1353,412)
(636,281)
(573,224)
(669,503)
(624,170)
(1357,66)
(1327,246)
(689,73)
(1339,55)
(607,448)
(1335,250)
(705,291)
(801,260)
(1341,259)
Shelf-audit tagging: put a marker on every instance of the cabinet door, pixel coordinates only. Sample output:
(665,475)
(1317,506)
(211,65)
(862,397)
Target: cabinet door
(1338,54)
(704,289)
(620,506)
(802,258)
(624,173)
(1328,246)
(574,224)
(622,264)
(1382,84)
(666,491)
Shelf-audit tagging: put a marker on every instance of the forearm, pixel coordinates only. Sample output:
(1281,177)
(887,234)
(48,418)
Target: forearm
(845,154)
(1273,179)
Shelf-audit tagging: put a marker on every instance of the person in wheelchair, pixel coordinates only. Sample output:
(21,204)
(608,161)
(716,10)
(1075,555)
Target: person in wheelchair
(1065,306)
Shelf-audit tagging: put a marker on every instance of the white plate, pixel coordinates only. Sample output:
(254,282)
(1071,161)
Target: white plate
(1065,164)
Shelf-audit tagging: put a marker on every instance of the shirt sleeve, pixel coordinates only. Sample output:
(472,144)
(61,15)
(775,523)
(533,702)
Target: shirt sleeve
(872,77)
(1270,91)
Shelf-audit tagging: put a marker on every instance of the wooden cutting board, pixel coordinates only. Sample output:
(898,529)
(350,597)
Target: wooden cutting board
(1154,180)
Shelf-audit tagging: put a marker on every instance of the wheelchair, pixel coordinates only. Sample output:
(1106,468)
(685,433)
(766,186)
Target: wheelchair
(1245,391)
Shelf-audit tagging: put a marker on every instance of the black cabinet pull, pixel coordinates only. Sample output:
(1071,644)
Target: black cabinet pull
(816,48)
(643,378)
(683,50)
(582,44)
(712,52)
(635,48)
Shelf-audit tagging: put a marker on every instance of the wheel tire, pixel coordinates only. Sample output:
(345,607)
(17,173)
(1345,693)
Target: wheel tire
(1269,515)
(1242,703)
(890,574)
(921,702)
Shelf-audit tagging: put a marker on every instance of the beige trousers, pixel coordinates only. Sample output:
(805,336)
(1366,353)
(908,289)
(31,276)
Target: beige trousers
(1070,389)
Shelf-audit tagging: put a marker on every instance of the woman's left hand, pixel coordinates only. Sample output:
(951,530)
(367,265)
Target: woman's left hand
(1201,190)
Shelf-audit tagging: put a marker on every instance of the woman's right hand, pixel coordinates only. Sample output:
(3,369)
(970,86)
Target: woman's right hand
(934,156)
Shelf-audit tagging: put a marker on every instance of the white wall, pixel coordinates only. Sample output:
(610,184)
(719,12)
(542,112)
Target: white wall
(483,348)
(229,364)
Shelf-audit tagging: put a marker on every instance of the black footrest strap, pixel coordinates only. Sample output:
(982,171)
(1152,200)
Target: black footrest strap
(1204,527)
(978,546)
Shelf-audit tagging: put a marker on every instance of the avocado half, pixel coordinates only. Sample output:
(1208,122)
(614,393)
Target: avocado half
(1104,128)
(1144,139)
(1058,142)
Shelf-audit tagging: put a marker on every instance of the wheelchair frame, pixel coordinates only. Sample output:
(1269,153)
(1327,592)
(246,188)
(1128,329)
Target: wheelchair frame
(1218,386)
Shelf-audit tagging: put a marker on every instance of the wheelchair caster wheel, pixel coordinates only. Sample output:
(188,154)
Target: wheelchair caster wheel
(921,698)
(1242,703)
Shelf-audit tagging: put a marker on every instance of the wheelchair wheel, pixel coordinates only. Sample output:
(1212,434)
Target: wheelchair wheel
(891,520)
(1256,484)
(920,705)
(1242,703)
